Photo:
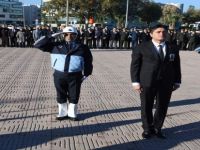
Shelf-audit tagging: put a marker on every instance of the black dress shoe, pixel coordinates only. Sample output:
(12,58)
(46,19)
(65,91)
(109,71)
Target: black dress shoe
(61,118)
(146,134)
(73,119)
(159,134)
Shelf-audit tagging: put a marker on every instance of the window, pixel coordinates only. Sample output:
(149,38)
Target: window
(16,16)
(2,16)
(5,10)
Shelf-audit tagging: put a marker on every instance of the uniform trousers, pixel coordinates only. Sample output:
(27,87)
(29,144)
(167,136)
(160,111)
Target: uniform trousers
(67,86)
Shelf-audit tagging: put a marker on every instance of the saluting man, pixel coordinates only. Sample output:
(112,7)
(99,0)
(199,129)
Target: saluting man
(155,73)
(72,63)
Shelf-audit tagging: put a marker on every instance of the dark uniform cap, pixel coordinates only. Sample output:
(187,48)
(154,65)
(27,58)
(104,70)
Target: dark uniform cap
(155,26)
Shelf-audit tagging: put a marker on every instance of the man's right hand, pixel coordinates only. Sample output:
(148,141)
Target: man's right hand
(137,88)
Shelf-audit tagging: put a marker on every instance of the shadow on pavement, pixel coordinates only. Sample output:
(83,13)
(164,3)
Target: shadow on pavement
(87,115)
(175,136)
(33,138)
(184,102)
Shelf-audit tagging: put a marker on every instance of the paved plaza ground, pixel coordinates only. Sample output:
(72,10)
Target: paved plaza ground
(109,110)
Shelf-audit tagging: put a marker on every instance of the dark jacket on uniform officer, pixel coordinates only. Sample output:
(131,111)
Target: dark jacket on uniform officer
(67,57)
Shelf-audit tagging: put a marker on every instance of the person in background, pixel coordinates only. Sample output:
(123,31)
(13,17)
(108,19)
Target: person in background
(37,33)
(21,37)
(133,37)
(5,36)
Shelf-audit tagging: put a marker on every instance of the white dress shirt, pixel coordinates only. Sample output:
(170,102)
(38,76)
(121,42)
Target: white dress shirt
(156,45)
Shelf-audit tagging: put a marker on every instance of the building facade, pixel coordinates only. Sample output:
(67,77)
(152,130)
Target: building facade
(11,12)
(178,5)
(32,15)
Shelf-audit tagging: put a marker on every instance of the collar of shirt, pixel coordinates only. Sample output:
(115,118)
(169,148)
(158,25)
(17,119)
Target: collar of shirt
(156,45)
(70,44)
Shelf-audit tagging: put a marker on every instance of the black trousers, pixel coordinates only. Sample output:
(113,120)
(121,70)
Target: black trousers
(159,94)
(67,86)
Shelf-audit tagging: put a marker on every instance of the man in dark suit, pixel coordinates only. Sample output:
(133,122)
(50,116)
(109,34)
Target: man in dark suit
(155,73)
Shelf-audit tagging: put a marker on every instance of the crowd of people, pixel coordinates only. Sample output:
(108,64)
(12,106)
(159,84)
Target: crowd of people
(97,37)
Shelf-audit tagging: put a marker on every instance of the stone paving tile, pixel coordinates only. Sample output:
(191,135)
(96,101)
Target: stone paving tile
(109,109)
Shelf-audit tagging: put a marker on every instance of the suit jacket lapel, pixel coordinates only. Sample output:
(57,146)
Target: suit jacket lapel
(167,52)
(154,50)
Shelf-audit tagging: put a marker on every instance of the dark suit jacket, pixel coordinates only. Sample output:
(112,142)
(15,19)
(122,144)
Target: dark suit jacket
(147,67)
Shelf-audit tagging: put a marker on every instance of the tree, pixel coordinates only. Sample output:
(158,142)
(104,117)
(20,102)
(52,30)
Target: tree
(150,12)
(116,9)
(100,10)
(53,10)
(191,16)
(77,8)
(171,15)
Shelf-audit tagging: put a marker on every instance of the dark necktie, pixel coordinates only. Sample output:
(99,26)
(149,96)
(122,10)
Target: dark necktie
(160,51)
